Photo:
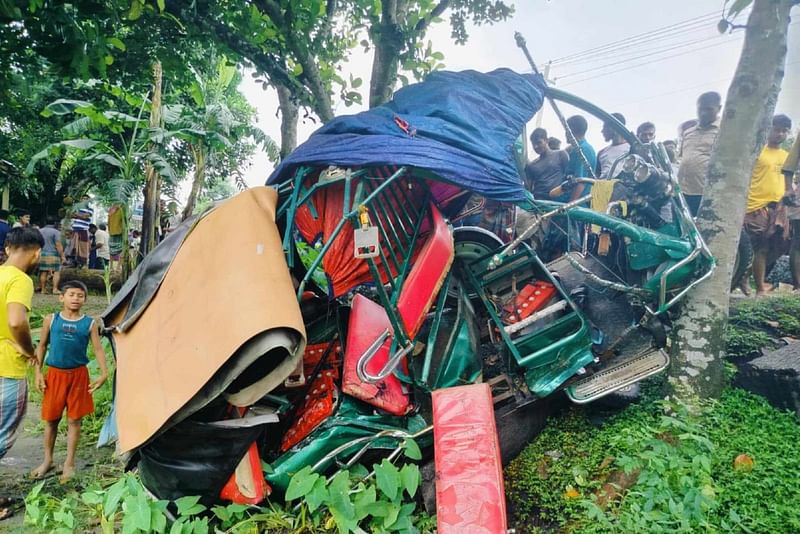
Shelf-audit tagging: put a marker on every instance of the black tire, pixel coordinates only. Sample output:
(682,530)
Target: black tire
(744,260)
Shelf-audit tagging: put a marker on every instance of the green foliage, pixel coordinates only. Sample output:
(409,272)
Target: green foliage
(347,501)
(357,504)
(756,323)
(679,468)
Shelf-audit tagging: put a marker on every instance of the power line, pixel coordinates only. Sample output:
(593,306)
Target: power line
(637,46)
(629,67)
(656,60)
(645,35)
(650,53)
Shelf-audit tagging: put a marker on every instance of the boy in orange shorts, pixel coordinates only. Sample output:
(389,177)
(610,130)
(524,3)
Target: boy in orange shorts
(66,384)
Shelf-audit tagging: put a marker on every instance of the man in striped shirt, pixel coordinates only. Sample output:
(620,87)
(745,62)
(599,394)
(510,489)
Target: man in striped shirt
(81,218)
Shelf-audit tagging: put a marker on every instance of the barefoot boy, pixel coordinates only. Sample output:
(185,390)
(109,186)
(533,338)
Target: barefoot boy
(67,382)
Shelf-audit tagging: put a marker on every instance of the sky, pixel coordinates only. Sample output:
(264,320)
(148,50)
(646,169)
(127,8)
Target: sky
(676,53)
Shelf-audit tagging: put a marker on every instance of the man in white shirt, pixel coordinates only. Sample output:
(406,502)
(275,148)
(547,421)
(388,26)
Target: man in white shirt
(608,155)
(101,242)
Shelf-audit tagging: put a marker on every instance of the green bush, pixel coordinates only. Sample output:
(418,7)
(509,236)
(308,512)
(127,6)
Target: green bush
(353,500)
(682,466)
(754,323)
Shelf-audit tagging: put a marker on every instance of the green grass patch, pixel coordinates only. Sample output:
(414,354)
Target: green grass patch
(679,469)
(755,323)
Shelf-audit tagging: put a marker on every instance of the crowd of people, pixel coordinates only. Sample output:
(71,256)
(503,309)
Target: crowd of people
(772,220)
(78,244)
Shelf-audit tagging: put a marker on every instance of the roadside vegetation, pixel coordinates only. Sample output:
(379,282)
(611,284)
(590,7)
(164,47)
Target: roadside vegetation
(656,467)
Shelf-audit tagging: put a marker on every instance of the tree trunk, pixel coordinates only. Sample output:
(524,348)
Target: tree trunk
(152,186)
(698,349)
(198,181)
(387,38)
(289,111)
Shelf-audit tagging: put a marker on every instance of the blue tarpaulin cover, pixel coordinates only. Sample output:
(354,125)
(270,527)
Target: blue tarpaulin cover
(461,126)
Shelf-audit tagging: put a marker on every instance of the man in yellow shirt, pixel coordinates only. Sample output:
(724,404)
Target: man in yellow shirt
(23,246)
(765,219)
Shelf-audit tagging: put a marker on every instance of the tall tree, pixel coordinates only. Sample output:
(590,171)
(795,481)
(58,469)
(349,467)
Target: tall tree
(152,184)
(397,30)
(218,128)
(698,348)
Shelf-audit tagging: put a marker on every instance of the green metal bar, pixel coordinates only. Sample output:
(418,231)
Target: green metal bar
(292,209)
(381,223)
(437,321)
(405,201)
(327,183)
(626,229)
(384,185)
(357,224)
(607,118)
(397,326)
(318,260)
(401,276)
(490,308)
(401,222)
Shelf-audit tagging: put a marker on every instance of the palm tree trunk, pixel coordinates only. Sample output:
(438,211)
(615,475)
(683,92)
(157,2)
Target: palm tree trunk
(199,179)
(152,187)
(699,347)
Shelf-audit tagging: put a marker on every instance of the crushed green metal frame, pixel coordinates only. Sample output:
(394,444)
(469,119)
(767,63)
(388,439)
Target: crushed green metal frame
(674,259)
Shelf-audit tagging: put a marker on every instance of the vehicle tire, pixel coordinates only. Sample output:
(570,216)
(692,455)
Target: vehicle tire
(471,243)
(744,260)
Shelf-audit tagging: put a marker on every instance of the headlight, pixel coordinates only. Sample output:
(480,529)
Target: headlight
(631,162)
(642,173)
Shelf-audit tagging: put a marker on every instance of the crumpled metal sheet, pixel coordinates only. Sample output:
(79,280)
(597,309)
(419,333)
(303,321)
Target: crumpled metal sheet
(470,497)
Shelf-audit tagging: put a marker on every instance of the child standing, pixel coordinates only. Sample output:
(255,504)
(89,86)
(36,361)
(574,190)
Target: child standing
(66,385)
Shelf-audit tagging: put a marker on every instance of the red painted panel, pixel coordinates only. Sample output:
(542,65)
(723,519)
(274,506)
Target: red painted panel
(427,275)
(367,322)
(247,484)
(470,497)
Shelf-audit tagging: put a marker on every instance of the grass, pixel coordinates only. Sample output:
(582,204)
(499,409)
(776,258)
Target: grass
(759,323)
(554,483)
(732,467)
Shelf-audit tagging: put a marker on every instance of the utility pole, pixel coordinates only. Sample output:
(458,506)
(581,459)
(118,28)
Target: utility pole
(547,79)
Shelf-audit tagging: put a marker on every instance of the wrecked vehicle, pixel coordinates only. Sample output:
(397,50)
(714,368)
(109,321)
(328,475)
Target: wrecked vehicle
(329,317)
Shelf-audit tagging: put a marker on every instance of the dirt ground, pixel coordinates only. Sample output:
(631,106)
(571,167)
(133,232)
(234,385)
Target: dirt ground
(93,464)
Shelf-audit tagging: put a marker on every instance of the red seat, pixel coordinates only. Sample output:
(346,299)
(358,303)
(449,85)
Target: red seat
(369,320)
(470,497)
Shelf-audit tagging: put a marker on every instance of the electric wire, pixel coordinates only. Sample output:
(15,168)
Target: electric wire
(645,36)
(646,63)
(637,47)
(649,53)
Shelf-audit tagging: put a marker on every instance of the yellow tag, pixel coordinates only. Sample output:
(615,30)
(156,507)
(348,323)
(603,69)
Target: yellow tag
(363,215)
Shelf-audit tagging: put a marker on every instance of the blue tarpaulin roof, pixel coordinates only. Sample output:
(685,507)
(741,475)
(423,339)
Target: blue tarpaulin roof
(462,126)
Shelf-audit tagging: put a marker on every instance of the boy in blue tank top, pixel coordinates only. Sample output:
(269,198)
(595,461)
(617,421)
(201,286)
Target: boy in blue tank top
(66,384)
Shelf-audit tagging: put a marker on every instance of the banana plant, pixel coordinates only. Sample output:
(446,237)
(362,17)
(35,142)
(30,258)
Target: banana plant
(117,139)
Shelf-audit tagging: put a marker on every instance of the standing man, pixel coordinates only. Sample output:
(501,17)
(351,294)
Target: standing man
(646,132)
(23,220)
(81,219)
(576,168)
(765,220)
(546,172)
(542,176)
(607,156)
(790,168)
(4,229)
(52,255)
(23,245)
(695,152)
(101,246)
